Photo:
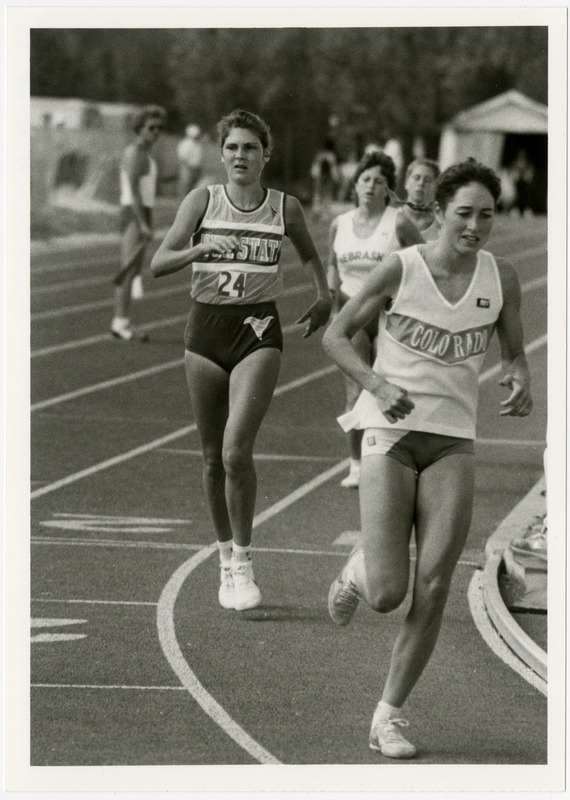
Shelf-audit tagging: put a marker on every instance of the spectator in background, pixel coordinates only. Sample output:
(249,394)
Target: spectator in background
(421,177)
(522,172)
(138,193)
(325,174)
(190,153)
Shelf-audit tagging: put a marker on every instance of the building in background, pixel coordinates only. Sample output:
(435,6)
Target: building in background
(495,132)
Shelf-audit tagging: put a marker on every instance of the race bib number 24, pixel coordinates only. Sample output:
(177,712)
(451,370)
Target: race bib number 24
(231,284)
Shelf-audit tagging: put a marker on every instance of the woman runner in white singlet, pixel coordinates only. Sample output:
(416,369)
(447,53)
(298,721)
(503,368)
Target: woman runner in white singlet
(231,237)
(358,241)
(442,302)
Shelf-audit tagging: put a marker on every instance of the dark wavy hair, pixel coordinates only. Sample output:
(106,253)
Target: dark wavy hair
(376,159)
(458,175)
(239,118)
(144,114)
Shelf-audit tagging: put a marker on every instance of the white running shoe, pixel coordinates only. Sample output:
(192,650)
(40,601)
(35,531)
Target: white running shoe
(247,594)
(352,480)
(343,594)
(122,330)
(226,593)
(387,738)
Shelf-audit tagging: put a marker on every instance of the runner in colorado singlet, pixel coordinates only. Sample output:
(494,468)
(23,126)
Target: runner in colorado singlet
(231,237)
(358,241)
(441,303)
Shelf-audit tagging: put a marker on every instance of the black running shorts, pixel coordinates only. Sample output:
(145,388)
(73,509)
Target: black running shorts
(226,334)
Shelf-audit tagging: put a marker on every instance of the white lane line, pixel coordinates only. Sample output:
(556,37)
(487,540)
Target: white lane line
(117,686)
(94,305)
(98,387)
(45,622)
(256,456)
(511,442)
(121,379)
(73,602)
(56,541)
(492,638)
(167,631)
(166,322)
(163,440)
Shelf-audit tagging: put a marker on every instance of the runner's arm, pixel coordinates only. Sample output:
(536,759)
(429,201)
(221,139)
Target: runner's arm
(511,341)
(381,286)
(297,231)
(174,252)
(407,232)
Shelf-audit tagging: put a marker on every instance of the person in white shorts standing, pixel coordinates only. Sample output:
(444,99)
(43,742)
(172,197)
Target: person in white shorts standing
(358,241)
(138,180)
(442,301)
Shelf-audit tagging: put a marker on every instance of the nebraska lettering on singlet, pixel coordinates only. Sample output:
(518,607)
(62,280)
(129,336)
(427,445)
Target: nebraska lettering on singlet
(259,249)
(359,255)
(450,347)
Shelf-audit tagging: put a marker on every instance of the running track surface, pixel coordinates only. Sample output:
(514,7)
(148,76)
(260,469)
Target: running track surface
(132,660)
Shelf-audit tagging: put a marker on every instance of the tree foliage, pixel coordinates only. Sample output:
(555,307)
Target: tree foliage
(378,82)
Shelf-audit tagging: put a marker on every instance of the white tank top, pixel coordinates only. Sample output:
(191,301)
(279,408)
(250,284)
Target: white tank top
(356,257)
(252,274)
(147,187)
(434,349)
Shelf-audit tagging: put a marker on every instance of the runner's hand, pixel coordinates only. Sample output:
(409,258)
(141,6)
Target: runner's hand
(219,247)
(393,401)
(318,314)
(519,402)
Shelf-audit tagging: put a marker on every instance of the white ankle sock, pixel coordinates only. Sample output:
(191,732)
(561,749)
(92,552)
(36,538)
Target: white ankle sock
(225,549)
(241,554)
(385,711)
(354,463)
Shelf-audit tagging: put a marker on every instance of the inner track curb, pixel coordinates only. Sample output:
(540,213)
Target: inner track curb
(512,527)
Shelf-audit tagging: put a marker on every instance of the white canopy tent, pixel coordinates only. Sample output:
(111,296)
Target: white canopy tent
(480,131)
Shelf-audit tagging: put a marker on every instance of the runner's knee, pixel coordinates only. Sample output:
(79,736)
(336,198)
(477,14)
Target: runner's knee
(236,459)
(386,596)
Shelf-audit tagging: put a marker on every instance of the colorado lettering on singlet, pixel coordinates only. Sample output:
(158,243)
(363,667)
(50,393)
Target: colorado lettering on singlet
(451,347)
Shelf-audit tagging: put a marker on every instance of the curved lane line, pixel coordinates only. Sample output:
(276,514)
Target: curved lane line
(167,632)
(492,638)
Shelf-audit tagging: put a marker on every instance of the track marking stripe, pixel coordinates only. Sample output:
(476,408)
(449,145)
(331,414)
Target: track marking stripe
(167,632)
(74,602)
(161,323)
(132,376)
(492,638)
(118,686)
(171,437)
(163,440)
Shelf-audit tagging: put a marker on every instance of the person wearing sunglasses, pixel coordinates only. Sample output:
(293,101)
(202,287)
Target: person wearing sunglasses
(138,191)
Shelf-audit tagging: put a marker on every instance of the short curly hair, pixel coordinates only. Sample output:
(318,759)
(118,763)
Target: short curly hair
(239,118)
(458,175)
(375,159)
(144,114)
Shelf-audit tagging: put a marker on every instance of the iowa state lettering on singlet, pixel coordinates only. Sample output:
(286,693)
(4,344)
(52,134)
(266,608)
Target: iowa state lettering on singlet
(260,248)
(450,347)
